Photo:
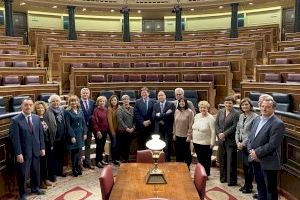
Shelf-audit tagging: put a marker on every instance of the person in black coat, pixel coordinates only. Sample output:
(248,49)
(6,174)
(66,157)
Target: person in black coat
(27,138)
(87,106)
(143,117)
(163,114)
(226,122)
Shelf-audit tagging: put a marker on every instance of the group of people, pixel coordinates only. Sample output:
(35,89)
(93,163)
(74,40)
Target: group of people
(258,138)
(39,139)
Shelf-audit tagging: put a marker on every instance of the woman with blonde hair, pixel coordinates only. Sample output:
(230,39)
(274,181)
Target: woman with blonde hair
(76,132)
(204,135)
(100,129)
(39,108)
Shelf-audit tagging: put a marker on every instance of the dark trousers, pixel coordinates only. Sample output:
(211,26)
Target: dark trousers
(228,163)
(100,146)
(270,177)
(87,143)
(56,159)
(125,139)
(44,163)
(168,138)
(204,156)
(76,158)
(248,169)
(183,151)
(260,181)
(30,167)
(114,146)
(143,136)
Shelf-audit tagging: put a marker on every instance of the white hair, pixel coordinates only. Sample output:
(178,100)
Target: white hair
(54,96)
(179,90)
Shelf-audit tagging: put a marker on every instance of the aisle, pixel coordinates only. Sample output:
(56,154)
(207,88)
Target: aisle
(87,187)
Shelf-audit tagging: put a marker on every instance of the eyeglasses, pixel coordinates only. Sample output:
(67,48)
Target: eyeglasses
(178,94)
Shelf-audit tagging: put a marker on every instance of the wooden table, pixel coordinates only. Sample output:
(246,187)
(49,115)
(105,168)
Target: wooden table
(131,183)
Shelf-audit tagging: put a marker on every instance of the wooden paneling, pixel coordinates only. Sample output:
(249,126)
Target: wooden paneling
(238,64)
(293,56)
(283,69)
(223,77)
(30,59)
(289,88)
(25,71)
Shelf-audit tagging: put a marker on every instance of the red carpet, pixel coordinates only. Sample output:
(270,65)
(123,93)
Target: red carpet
(76,193)
(218,193)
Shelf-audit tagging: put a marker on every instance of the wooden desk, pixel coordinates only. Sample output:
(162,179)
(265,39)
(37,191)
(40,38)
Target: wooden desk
(131,183)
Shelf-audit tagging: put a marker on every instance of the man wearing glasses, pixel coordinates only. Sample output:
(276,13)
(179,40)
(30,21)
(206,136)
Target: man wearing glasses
(179,93)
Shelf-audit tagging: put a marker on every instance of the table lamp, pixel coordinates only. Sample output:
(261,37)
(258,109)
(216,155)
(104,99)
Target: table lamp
(155,175)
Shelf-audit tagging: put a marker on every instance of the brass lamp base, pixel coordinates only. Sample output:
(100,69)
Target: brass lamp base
(156,176)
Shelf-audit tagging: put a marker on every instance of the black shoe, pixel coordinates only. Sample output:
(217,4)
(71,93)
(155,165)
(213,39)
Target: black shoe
(103,162)
(99,164)
(88,166)
(52,179)
(62,175)
(38,192)
(23,197)
(79,172)
(75,173)
(116,162)
(232,184)
(255,196)
(241,188)
(223,181)
(246,191)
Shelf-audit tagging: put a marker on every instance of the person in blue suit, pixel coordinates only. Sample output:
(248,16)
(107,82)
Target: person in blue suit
(264,146)
(76,131)
(143,109)
(87,106)
(163,114)
(27,138)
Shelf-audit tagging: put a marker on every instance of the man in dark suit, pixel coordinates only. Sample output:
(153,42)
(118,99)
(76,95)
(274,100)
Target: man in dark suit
(87,105)
(163,114)
(143,109)
(264,146)
(28,143)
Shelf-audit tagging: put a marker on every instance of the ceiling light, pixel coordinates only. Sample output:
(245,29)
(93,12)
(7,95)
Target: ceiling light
(139,11)
(22,4)
(54,6)
(83,9)
(250,3)
(112,10)
(192,9)
(220,7)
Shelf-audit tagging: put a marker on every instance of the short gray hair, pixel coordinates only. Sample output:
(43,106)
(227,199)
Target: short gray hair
(54,96)
(179,90)
(270,100)
(125,96)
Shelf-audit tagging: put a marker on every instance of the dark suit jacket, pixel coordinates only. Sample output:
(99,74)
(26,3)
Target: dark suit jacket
(227,125)
(24,142)
(267,143)
(141,114)
(164,122)
(88,113)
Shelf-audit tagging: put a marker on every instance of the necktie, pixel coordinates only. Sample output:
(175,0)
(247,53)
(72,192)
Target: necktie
(146,105)
(161,107)
(86,105)
(29,123)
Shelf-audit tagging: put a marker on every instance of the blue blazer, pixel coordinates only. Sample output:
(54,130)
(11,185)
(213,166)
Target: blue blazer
(141,114)
(23,141)
(88,113)
(267,143)
(164,123)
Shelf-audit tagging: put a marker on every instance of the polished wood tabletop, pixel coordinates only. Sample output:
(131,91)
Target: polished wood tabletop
(131,183)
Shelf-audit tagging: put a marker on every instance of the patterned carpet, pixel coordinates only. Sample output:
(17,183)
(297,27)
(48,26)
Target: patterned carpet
(87,187)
